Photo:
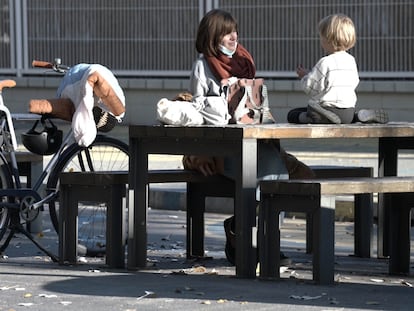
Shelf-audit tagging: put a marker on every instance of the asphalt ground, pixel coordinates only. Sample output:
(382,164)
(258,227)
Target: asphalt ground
(29,280)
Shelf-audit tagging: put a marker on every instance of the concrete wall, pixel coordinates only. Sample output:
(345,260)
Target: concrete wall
(396,97)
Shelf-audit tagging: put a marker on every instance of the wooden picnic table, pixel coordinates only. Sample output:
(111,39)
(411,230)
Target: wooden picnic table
(240,143)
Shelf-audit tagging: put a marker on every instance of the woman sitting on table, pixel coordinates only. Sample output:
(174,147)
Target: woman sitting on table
(222,56)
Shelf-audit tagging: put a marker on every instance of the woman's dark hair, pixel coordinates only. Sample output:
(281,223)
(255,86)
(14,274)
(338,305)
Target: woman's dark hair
(212,28)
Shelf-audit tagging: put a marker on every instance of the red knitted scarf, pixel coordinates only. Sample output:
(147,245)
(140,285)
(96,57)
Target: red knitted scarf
(240,65)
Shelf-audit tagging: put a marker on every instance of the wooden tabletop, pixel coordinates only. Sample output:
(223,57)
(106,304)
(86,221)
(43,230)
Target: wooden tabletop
(279,130)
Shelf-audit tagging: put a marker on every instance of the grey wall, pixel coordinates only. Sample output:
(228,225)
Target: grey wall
(396,97)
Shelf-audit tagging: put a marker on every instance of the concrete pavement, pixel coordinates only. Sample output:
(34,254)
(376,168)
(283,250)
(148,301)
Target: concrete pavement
(30,281)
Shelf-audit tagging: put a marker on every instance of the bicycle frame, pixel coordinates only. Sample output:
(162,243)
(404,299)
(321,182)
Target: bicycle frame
(9,145)
(19,203)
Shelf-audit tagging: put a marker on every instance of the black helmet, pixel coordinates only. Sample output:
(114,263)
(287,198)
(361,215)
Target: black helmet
(45,142)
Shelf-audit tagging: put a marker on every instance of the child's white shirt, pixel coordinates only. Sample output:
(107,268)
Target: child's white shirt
(333,80)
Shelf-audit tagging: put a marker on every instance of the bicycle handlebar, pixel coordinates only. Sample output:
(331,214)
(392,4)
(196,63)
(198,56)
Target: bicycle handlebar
(42,64)
(56,65)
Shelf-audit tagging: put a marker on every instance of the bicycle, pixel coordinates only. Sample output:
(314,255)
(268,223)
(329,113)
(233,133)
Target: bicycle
(20,206)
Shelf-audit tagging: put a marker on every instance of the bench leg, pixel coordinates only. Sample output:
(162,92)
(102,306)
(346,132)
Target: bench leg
(363,223)
(196,201)
(400,236)
(115,245)
(329,201)
(323,243)
(323,229)
(68,227)
(269,238)
(309,226)
(68,222)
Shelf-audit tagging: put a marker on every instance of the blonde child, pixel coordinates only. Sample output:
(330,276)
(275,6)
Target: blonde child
(331,83)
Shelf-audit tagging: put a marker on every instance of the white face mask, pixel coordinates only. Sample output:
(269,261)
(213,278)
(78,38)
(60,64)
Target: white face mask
(226,51)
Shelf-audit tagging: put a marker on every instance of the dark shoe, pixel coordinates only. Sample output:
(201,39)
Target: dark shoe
(230,248)
(285,260)
(230,253)
(294,114)
(372,116)
(329,115)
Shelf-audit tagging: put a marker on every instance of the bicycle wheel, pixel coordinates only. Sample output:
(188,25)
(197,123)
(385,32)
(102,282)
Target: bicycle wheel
(105,154)
(6,182)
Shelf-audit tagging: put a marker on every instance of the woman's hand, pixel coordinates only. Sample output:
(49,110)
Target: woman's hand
(204,164)
(301,71)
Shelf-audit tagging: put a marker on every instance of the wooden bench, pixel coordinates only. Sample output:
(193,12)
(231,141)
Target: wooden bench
(29,165)
(305,196)
(108,187)
(90,186)
(200,187)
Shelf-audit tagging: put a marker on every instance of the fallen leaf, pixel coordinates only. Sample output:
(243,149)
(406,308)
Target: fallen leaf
(48,295)
(167,238)
(199,269)
(7,287)
(305,297)
(181,272)
(407,283)
(25,304)
(148,294)
(212,272)
(283,269)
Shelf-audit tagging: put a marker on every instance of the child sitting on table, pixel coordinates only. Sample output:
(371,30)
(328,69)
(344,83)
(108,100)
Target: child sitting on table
(331,83)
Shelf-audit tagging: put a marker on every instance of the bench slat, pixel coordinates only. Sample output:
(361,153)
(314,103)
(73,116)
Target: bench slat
(183,175)
(340,186)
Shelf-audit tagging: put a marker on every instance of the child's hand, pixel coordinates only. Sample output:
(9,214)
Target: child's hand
(301,72)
